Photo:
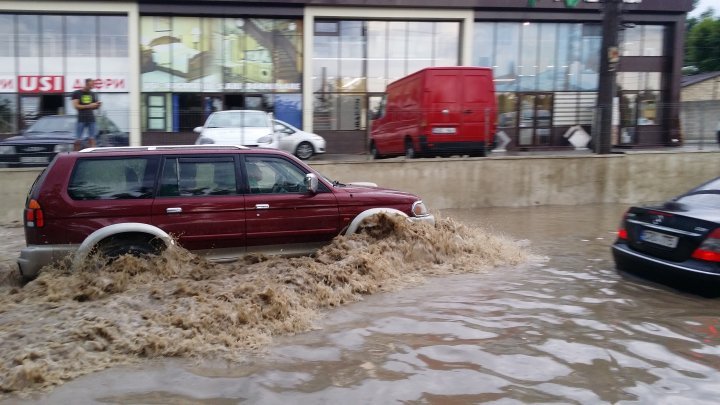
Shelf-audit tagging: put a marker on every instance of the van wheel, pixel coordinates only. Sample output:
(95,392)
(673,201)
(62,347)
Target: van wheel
(133,244)
(374,151)
(304,151)
(409,149)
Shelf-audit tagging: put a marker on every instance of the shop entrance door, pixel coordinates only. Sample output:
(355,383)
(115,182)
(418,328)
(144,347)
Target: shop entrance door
(535,123)
(245,102)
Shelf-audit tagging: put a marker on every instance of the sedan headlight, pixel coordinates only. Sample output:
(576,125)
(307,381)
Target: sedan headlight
(419,209)
(204,141)
(265,139)
(63,147)
(7,150)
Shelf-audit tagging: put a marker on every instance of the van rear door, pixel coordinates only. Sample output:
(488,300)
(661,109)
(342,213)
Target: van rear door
(478,106)
(444,93)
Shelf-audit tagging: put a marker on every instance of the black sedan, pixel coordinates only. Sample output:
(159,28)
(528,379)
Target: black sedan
(680,237)
(50,135)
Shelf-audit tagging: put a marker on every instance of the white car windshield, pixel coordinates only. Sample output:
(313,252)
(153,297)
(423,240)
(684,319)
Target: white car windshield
(238,120)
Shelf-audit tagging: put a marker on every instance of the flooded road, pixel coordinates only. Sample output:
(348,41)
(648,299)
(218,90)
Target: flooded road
(560,327)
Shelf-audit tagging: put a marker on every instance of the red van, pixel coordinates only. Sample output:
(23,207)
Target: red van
(436,111)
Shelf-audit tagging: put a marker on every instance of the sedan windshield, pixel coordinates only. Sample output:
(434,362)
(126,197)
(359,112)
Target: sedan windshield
(52,124)
(238,120)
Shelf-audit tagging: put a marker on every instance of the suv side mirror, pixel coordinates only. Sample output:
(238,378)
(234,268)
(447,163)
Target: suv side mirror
(311,183)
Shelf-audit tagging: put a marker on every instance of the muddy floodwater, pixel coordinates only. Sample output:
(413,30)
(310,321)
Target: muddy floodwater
(504,306)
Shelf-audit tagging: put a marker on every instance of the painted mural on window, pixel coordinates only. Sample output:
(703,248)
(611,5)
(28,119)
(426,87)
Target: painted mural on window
(191,54)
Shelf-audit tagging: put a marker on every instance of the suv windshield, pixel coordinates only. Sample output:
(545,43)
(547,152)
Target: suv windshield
(238,119)
(53,124)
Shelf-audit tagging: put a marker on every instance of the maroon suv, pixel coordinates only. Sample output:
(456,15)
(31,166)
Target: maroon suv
(219,201)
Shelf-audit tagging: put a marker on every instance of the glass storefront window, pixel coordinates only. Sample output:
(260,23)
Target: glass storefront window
(28,44)
(7,45)
(81,35)
(377,60)
(547,68)
(52,36)
(420,56)
(446,45)
(484,44)
(363,56)
(643,40)
(326,58)
(397,49)
(352,56)
(653,37)
(528,67)
(506,59)
(590,61)
(113,37)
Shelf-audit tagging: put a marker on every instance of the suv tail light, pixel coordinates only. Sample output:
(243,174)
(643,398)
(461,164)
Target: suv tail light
(34,217)
(709,250)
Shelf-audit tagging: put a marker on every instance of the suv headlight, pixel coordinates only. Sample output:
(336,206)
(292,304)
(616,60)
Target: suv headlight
(204,141)
(63,147)
(7,150)
(419,209)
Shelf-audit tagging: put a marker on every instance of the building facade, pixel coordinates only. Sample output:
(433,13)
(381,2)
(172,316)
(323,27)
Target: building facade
(162,66)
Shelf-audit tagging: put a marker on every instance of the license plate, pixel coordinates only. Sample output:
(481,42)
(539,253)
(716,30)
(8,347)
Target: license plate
(659,239)
(34,159)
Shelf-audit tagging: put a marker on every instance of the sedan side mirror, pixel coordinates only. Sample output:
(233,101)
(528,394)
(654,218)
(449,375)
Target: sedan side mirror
(198,129)
(311,183)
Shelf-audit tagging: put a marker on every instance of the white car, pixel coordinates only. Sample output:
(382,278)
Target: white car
(258,129)
(302,144)
(238,127)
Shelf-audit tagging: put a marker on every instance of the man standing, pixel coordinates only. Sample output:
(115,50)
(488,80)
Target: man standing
(85,101)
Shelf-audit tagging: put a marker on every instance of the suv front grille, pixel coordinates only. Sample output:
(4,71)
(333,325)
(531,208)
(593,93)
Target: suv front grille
(34,148)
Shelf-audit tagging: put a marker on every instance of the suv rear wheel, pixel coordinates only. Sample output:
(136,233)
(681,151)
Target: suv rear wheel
(133,244)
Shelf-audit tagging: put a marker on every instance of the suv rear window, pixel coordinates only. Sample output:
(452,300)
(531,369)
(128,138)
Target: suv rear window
(194,176)
(112,179)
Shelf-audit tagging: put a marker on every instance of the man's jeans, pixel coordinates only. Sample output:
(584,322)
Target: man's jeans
(80,128)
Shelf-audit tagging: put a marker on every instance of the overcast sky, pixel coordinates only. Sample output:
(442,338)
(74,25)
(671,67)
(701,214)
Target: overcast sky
(704,5)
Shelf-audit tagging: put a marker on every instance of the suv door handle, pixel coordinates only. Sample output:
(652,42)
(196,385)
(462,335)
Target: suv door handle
(173,210)
(262,206)
(467,112)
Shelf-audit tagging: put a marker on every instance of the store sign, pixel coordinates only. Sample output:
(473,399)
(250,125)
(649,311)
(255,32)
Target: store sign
(103,84)
(7,84)
(40,84)
(60,84)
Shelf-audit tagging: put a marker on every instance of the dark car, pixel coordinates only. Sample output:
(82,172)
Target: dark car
(680,237)
(219,201)
(52,134)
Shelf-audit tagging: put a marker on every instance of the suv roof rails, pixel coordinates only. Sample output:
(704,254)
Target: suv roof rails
(161,147)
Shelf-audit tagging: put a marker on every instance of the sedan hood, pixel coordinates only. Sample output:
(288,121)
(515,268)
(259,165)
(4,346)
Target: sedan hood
(236,136)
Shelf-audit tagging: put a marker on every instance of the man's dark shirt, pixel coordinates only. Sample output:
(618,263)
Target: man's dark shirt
(85,98)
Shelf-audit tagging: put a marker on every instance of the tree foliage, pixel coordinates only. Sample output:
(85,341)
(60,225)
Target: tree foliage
(703,43)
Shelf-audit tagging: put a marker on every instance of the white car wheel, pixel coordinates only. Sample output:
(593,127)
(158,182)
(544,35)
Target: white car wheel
(304,150)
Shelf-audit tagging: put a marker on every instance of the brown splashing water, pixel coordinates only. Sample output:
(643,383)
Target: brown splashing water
(66,324)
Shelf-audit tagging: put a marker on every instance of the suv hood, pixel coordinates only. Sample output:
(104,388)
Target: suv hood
(42,137)
(362,189)
(247,136)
